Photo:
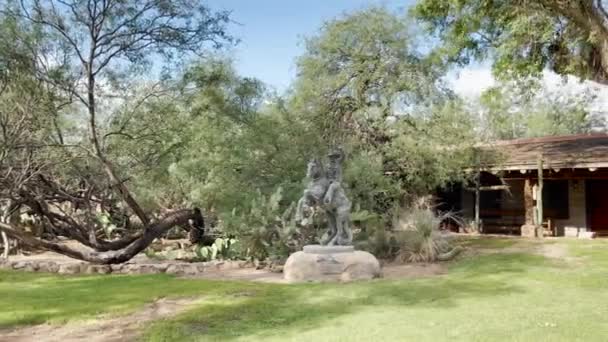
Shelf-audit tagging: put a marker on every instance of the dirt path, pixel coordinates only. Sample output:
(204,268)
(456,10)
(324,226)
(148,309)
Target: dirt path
(103,329)
(553,251)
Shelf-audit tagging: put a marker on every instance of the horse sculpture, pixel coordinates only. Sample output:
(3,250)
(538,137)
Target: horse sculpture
(325,191)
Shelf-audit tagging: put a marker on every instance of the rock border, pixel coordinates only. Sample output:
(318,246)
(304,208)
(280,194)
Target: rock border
(175,268)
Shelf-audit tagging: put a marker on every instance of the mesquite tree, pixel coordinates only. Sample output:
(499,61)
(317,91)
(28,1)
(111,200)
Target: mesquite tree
(81,56)
(522,37)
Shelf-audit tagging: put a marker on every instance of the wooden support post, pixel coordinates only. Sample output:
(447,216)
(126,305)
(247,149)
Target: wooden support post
(529,201)
(477,209)
(528,229)
(540,232)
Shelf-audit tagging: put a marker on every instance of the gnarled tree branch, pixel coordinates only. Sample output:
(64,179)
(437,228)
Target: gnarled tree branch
(192,218)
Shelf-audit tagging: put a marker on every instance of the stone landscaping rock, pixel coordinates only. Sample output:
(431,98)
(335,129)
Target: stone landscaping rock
(147,268)
(220,265)
(176,269)
(48,266)
(116,268)
(98,269)
(185,269)
(19,265)
(130,269)
(31,267)
(276,268)
(331,264)
(73,268)
(135,266)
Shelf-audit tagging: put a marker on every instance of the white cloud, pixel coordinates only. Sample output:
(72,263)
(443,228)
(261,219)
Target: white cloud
(471,81)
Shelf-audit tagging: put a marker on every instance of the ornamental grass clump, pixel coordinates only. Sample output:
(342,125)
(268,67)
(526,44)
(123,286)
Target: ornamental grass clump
(419,235)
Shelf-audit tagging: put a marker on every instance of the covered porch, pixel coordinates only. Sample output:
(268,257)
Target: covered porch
(556,185)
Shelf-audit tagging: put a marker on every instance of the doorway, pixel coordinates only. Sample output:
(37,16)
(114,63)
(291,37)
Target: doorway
(597,205)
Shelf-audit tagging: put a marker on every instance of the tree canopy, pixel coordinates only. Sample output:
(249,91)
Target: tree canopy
(82,53)
(520,109)
(521,37)
(361,69)
(100,152)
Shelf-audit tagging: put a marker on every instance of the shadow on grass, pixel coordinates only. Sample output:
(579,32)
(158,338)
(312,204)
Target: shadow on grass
(33,298)
(496,264)
(280,309)
(487,241)
(244,309)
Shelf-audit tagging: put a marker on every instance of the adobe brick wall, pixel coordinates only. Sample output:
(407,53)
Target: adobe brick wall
(577,203)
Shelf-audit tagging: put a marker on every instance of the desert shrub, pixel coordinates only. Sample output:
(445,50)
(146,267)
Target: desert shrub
(222,248)
(266,230)
(418,234)
(379,241)
(370,234)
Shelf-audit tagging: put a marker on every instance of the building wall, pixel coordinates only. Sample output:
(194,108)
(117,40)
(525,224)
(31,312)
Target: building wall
(514,198)
(515,201)
(468,205)
(577,207)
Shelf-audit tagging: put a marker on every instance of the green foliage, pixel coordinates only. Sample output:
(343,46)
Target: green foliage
(363,83)
(222,248)
(378,240)
(222,143)
(522,38)
(105,221)
(418,235)
(216,139)
(265,229)
(359,70)
(368,186)
(371,234)
(432,149)
(520,110)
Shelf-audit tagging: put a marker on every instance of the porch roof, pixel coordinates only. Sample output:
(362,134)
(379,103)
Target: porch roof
(558,152)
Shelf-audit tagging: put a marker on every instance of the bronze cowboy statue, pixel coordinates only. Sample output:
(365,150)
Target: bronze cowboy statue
(325,191)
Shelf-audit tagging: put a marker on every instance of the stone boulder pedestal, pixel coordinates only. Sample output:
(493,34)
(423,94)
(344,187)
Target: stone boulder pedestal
(316,263)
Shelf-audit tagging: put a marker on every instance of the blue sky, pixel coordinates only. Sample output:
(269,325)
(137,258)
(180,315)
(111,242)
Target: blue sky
(272,32)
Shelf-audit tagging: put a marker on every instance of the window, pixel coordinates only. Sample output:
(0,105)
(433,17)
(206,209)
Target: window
(555,199)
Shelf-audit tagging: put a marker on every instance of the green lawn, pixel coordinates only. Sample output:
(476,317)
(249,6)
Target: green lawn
(500,296)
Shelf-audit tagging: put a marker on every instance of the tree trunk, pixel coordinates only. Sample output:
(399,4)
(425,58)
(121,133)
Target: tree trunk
(121,255)
(6,244)
(5,218)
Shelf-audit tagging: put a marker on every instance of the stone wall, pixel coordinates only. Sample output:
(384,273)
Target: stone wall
(77,267)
